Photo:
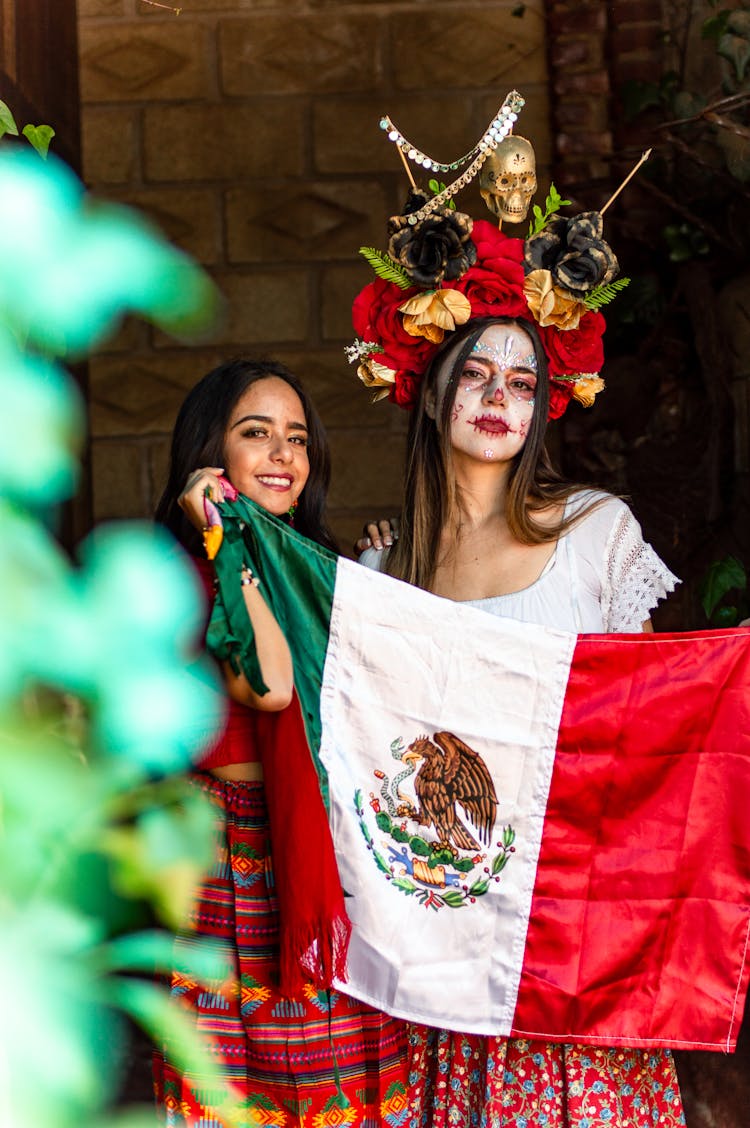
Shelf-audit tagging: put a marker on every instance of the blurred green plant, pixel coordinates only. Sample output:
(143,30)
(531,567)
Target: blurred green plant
(104,698)
(723,593)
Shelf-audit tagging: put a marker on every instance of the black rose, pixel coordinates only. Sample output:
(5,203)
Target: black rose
(435,249)
(574,253)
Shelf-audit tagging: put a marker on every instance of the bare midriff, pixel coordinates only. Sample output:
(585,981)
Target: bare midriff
(239,773)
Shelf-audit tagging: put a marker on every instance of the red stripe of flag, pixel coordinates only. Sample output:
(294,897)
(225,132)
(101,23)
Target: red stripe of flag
(641,907)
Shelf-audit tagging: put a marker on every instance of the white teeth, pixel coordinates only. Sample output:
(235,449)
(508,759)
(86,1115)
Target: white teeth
(274,481)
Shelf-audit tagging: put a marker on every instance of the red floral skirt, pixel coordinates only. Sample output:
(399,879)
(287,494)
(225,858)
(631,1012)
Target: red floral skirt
(279,1056)
(468,1080)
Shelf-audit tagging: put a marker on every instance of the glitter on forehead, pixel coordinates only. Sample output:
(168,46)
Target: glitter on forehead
(507,356)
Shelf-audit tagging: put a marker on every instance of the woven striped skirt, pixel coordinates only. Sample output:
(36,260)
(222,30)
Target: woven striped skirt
(279,1055)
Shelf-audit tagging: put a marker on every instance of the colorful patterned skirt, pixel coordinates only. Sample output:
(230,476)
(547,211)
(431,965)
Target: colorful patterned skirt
(280,1055)
(468,1080)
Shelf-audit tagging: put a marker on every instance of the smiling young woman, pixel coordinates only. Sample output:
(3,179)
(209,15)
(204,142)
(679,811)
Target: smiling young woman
(285,1044)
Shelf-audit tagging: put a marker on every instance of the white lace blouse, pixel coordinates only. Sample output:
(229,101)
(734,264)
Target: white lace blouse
(602,577)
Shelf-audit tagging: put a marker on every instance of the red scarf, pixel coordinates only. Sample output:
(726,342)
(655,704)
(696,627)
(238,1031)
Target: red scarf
(314,928)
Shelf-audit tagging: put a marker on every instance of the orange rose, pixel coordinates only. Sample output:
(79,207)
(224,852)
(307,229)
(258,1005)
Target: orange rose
(586,388)
(434,313)
(549,304)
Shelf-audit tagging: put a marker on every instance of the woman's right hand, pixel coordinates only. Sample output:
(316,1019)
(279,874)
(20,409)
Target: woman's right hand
(191,500)
(377,534)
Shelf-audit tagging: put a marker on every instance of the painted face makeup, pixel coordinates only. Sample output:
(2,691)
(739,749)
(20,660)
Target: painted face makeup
(508,361)
(494,401)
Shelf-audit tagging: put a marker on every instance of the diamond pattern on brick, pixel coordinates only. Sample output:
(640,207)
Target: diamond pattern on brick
(137,64)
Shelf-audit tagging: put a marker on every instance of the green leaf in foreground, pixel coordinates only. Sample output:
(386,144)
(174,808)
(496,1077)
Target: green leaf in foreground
(7,121)
(39,137)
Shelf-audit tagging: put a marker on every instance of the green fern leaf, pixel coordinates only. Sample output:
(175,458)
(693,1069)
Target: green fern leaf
(386,268)
(604,294)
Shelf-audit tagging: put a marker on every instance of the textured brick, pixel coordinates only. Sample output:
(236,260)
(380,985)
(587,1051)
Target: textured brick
(576,114)
(92,8)
(140,395)
(157,469)
(595,83)
(110,145)
(264,307)
(367,471)
(339,396)
(570,19)
(220,7)
(120,479)
(576,52)
(487,47)
(347,136)
(268,54)
(127,61)
(224,142)
(339,286)
(189,217)
(595,143)
(307,221)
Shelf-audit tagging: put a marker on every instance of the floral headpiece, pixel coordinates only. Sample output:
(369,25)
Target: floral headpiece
(442,269)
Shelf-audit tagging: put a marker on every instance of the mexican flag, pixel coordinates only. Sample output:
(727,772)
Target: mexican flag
(539,834)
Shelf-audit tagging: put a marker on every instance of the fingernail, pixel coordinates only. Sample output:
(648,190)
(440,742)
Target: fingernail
(388,542)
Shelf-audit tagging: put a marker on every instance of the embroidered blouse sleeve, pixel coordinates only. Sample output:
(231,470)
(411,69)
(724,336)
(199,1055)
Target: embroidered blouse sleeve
(635,578)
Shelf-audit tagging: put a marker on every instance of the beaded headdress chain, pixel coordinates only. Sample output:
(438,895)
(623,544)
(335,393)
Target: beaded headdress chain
(442,268)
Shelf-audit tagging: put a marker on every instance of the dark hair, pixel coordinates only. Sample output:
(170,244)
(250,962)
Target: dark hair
(198,440)
(431,498)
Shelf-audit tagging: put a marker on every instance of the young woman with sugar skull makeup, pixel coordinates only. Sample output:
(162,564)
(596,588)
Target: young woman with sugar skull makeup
(487,520)
(503,334)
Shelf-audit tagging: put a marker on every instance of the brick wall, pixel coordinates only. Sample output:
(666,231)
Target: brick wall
(249,130)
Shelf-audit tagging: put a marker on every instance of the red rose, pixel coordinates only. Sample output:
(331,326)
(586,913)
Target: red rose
(376,317)
(405,392)
(491,244)
(570,351)
(494,285)
(560,395)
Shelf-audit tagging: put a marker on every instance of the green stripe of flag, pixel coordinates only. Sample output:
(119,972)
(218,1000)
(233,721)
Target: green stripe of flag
(297,581)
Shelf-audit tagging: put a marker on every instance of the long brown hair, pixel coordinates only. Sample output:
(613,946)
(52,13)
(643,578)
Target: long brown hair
(431,496)
(198,440)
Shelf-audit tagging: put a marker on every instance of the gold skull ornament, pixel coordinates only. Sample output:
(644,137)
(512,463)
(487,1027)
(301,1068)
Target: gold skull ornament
(508,179)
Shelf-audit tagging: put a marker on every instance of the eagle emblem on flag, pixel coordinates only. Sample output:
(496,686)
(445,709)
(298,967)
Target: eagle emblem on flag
(445,774)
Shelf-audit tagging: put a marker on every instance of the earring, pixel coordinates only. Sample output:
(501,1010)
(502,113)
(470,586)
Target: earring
(292,510)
